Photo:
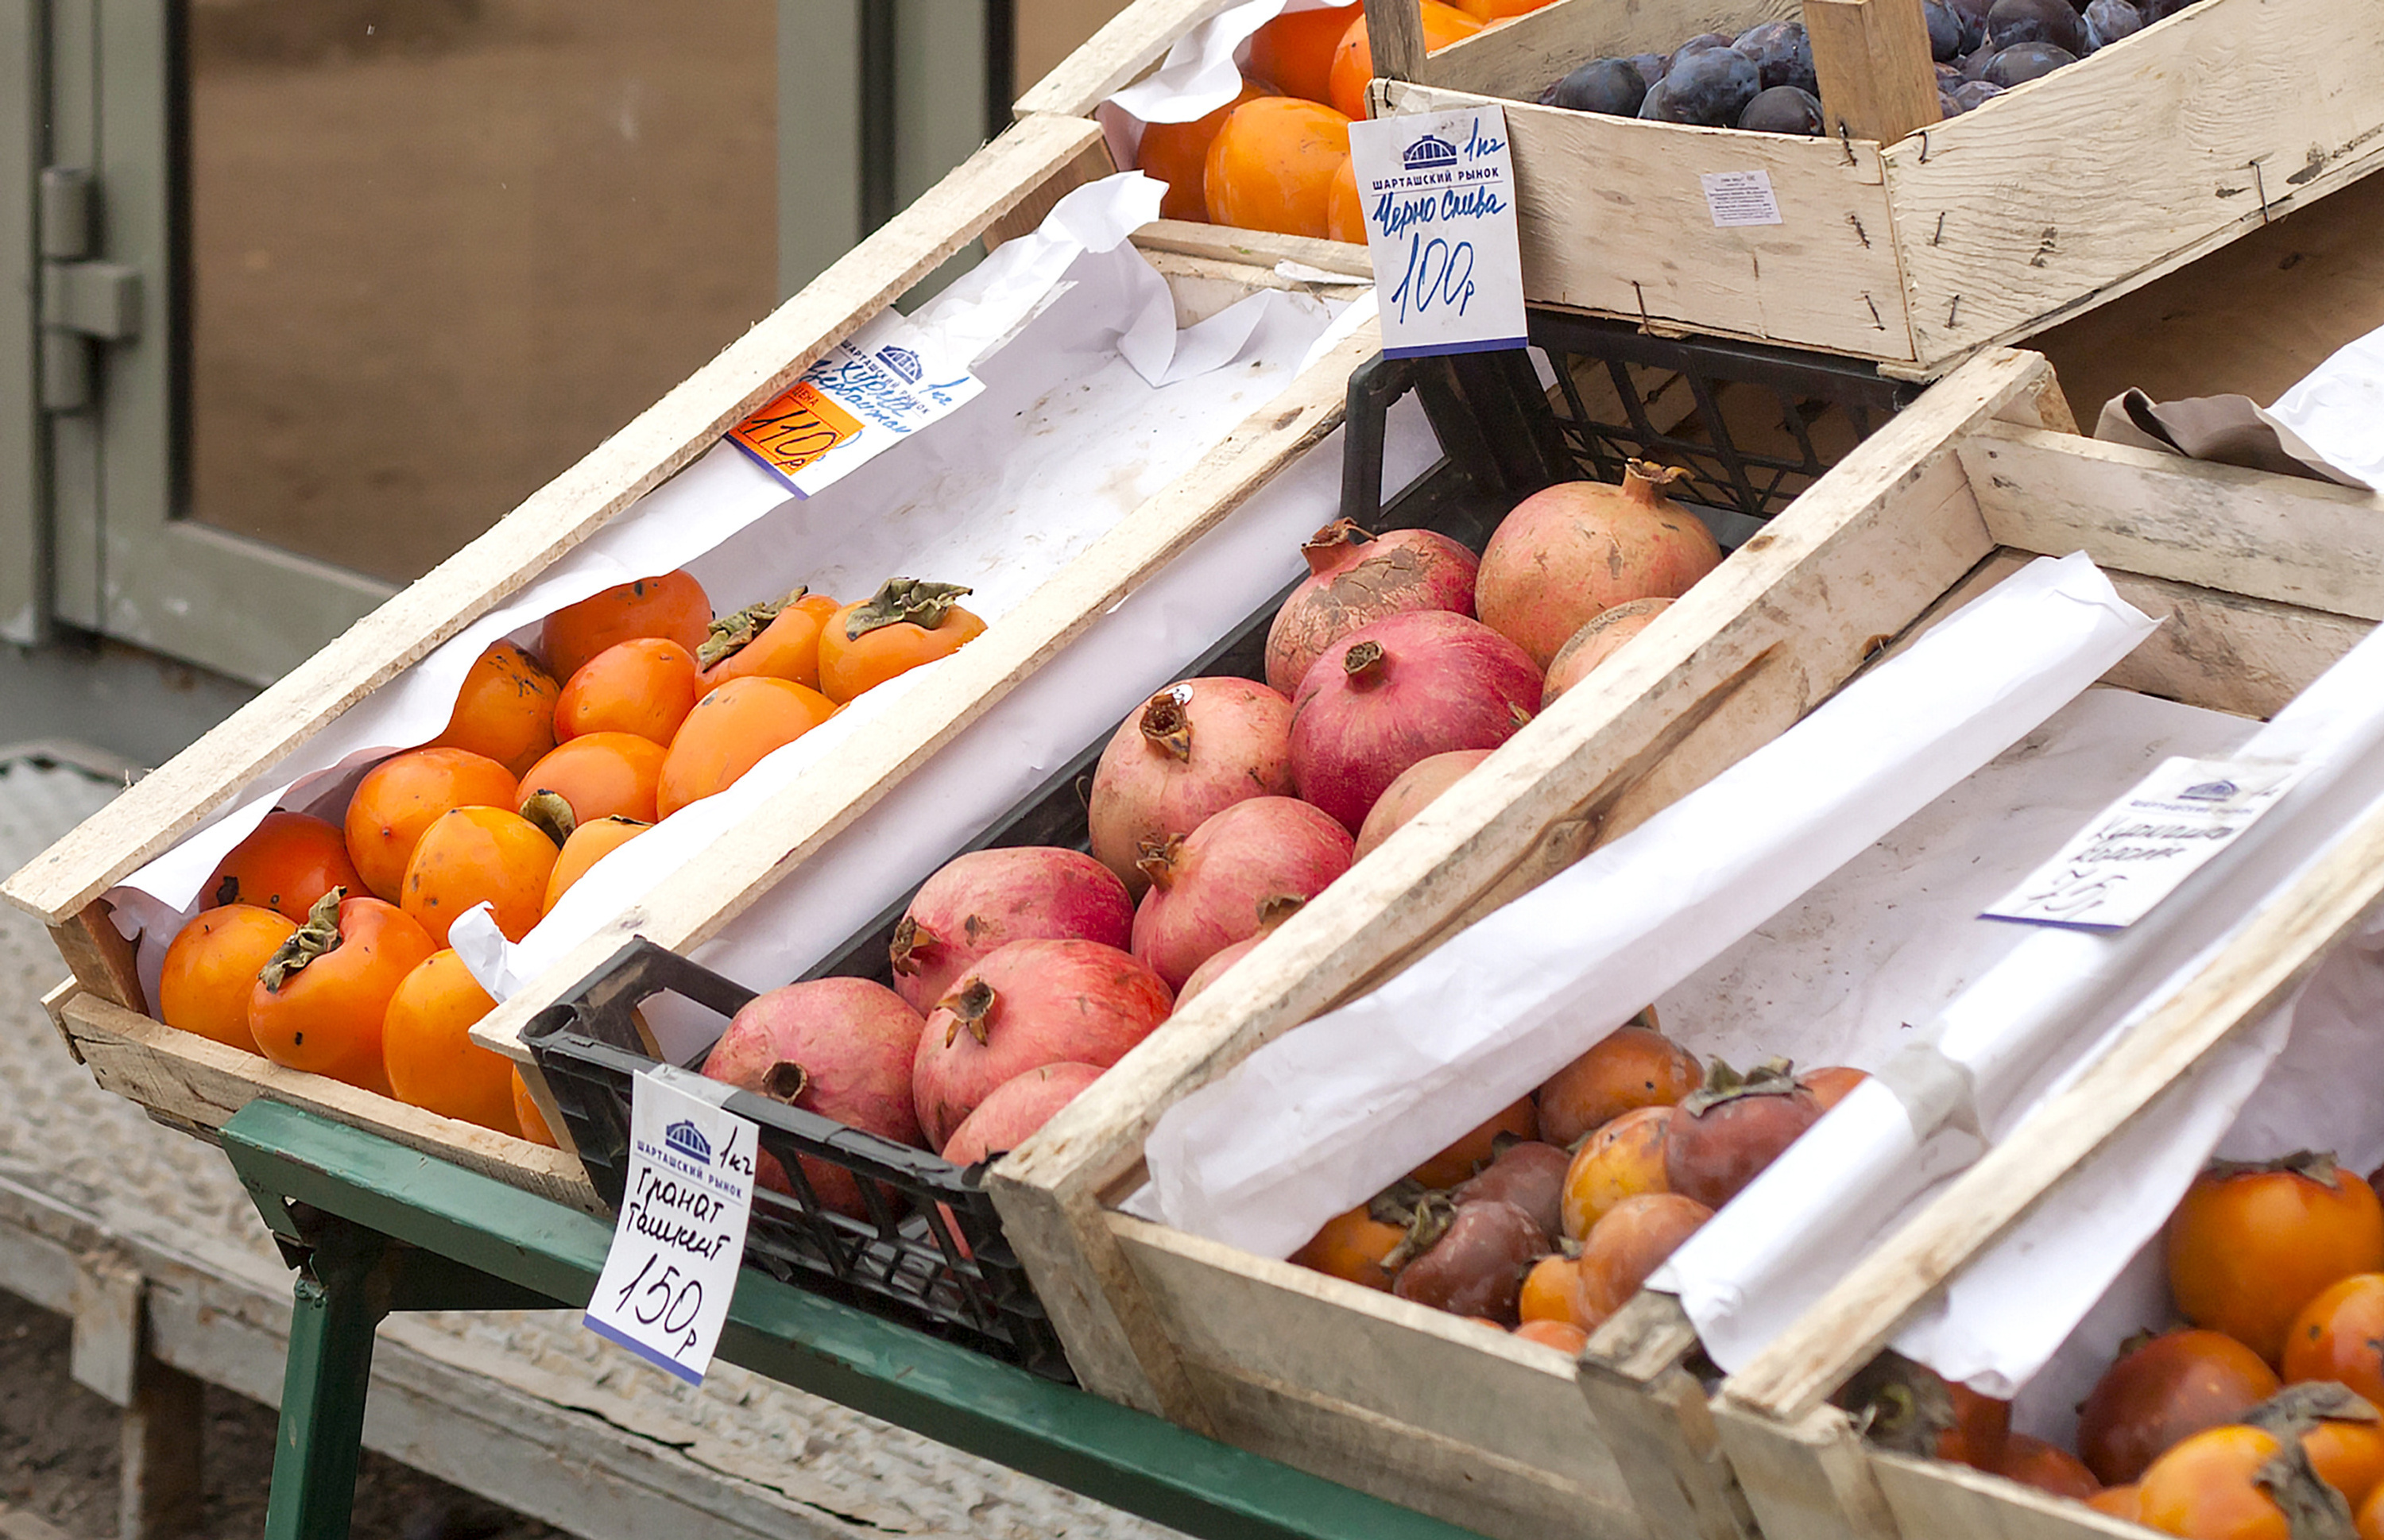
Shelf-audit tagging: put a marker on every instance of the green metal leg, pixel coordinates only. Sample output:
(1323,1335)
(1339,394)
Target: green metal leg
(341,1297)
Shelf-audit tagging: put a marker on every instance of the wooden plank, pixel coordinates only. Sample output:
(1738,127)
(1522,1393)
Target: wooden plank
(1394,39)
(1937,1497)
(54,1005)
(2303,542)
(2151,158)
(161,1456)
(156,811)
(1518,57)
(1636,238)
(1133,41)
(105,1347)
(1202,286)
(1652,1414)
(101,959)
(1238,1314)
(1871,58)
(2249,976)
(1255,247)
(1844,551)
(1090,166)
(204,1083)
(1808,1480)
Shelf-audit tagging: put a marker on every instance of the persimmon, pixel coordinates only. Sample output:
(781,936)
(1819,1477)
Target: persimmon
(1178,154)
(1352,1247)
(285,865)
(642,686)
(2209,1486)
(2346,1456)
(2339,1335)
(1981,1428)
(586,845)
(399,797)
(1625,1159)
(505,709)
(211,966)
(1294,50)
(2250,1245)
(1353,56)
(1832,1083)
(601,775)
(2164,1390)
(525,1113)
(1548,1289)
(427,1049)
(1629,1068)
(1344,212)
(779,639)
(1475,1151)
(2371,1515)
(730,731)
(673,607)
(1626,1246)
(1270,166)
(319,1002)
(2033,1462)
(1488,12)
(1562,1335)
(475,855)
(905,624)
(2120,1502)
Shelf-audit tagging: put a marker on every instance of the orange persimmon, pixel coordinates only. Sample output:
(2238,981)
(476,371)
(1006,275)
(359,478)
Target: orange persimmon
(905,624)
(588,844)
(505,709)
(730,731)
(778,639)
(601,775)
(211,966)
(475,855)
(1353,56)
(643,686)
(1271,166)
(399,797)
(290,860)
(320,1003)
(1178,154)
(428,1051)
(673,607)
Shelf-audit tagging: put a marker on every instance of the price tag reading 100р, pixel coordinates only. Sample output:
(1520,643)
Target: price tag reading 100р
(1438,192)
(666,1284)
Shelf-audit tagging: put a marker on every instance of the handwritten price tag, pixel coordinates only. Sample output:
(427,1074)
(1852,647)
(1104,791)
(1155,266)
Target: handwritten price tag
(1438,192)
(867,394)
(664,1291)
(2137,850)
(795,430)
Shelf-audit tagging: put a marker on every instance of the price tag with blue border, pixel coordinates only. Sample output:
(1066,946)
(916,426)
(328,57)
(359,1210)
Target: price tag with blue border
(1438,190)
(664,1291)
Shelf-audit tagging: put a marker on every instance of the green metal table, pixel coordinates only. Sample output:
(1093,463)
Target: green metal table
(374,1227)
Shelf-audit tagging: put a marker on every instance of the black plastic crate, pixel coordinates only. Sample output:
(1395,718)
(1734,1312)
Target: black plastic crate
(931,1253)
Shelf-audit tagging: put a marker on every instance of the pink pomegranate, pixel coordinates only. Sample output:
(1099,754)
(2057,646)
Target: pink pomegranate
(1029,1004)
(839,1047)
(989,898)
(1599,640)
(1415,790)
(1195,749)
(1353,579)
(1221,884)
(1015,1109)
(1568,553)
(1271,915)
(1401,690)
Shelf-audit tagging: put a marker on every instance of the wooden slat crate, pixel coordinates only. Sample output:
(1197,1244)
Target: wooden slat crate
(2262,583)
(1002,191)
(1911,241)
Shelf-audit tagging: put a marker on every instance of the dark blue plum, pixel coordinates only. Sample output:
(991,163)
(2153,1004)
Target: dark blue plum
(1710,88)
(1651,66)
(2050,22)
(1944,29)
(1974,65)
(1949,76)
(1653,106)
(1699,44)
(1783,109)
(1611,86)
(2023,62)
(1973,16)
(2109,20)
(1974,94)
(1783,54)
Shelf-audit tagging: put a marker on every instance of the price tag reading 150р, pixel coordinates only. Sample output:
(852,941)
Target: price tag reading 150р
(664,1291)
(1438,192)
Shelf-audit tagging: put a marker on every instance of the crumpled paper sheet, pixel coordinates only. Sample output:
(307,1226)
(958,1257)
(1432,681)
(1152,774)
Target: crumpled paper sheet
(1201,72)
(1323,1117)
(1068,437)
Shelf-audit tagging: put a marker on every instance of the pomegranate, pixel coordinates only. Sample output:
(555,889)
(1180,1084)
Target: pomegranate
(987,899)
(1577,549)
(839,1047)
(1474,1264)
(1194,750)
(1415,790)
(1029,1004)
(1398,691)
(1220,885)
(1273,912)
(1600,639)
(1723,1137)
(1016,1108)
(1353,579)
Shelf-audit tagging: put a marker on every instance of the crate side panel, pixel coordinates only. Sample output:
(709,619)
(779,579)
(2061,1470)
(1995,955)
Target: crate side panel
(1519,57)
(1937,1497)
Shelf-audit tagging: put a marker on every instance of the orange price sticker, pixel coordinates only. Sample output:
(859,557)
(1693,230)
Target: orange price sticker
(795,430)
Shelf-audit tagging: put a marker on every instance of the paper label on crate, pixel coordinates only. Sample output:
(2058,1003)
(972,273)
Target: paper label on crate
(1438,192)
(1740,198)
(2139,848)
(867,394)
(664,1291)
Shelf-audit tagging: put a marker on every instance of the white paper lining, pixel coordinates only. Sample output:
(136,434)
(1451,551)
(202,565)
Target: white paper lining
(1201,72)
(2333,411)
(1067,326)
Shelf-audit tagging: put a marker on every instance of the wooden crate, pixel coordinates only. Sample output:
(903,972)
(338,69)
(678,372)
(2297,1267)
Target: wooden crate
(2264,582)
(1907,240)
(1003,190)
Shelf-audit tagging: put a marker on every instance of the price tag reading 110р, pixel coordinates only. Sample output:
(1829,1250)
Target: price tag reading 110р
(1438,192)
(664,1291)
